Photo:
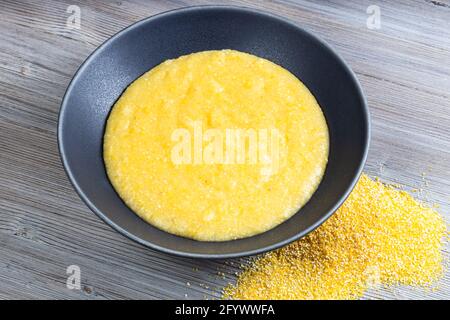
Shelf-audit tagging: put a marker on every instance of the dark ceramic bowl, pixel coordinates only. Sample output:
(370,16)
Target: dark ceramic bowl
(119,61)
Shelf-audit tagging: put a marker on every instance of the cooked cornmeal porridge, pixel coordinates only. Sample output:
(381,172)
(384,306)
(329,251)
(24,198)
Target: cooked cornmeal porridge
(216,145)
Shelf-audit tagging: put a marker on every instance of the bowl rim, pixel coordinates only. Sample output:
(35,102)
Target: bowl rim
(126,233)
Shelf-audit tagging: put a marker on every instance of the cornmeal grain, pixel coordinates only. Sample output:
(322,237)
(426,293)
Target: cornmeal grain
(380,236)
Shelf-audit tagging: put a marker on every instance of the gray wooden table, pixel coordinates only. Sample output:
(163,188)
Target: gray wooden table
(402,60)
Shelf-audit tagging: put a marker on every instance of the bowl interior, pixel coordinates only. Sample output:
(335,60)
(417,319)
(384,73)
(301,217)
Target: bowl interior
(126,56)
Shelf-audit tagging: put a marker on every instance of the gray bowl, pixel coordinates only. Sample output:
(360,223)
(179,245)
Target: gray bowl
(120,60)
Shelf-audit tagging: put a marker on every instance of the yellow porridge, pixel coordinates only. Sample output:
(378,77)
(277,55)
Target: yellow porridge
(216,145)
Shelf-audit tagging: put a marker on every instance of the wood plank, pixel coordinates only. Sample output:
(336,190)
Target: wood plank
(404,69)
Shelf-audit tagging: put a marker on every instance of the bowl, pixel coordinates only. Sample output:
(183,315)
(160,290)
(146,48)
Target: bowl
(108,71)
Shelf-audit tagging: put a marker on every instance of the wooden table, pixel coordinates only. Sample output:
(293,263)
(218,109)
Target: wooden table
(403,66)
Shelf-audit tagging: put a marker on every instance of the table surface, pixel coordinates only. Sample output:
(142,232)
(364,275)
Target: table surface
(404,69)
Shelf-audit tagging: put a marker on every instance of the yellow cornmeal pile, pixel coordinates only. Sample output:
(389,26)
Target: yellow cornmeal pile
(380,236)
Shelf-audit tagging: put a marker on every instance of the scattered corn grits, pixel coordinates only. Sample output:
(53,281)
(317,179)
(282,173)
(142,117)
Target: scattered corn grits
(380,236)
(160,161)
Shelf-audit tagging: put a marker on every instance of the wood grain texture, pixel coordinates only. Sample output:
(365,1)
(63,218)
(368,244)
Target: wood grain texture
(404,69)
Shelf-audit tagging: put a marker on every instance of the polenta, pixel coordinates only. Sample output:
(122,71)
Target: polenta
(216,145)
